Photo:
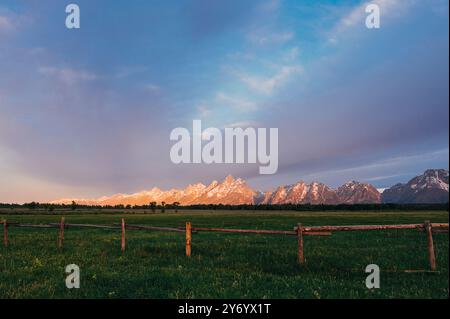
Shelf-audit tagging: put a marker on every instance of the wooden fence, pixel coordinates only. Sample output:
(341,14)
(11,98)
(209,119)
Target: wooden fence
(299,231)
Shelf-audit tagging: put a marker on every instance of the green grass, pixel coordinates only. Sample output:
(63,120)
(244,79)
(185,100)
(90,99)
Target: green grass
(224,265)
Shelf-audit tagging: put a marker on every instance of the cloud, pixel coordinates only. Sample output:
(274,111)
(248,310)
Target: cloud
(383,172)
(6,25)
(67,75)
(266,85)
(203,111)
(243,124)
(11,22)
(266,38)
(237,103)
(292,54)
(385,177)
(152,88)
(130,71)
(270,6)
(366,102)
(37,51)
(207,18)
(269,32)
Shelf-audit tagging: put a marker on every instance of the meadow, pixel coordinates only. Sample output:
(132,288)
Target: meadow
(223,265)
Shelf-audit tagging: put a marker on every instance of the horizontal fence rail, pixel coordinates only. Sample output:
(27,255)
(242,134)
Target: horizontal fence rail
(371,227)
(145,227)
(258,231)
(300,231)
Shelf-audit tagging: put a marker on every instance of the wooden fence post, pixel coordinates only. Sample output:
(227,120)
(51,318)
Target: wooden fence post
(301,256)
(188,239)
(431,254)
(5,233)
(123,234)
(61,233)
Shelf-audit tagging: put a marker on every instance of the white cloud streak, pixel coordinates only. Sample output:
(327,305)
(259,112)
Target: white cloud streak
(266,38)
(67,75)
(236,103)
(203,111)
(6,25)
(152,88)
(267,85)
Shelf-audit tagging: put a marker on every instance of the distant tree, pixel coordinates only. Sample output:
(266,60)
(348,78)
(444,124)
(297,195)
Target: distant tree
(33,205)
(128,206)
(163,207)
(74,205)
(153,206)
(175,205)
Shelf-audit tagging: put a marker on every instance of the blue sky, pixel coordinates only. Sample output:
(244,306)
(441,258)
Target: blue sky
(88,112)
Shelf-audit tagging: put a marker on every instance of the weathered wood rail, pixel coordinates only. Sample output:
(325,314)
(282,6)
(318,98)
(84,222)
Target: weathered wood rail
(372,227)
(261,231)
(299,231)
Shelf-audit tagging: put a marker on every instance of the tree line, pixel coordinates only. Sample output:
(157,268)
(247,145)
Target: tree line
(163,206)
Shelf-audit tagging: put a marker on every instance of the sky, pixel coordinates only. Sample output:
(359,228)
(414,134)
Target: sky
(88,112)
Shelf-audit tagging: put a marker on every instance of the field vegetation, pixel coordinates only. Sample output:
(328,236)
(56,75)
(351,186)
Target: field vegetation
(222,265)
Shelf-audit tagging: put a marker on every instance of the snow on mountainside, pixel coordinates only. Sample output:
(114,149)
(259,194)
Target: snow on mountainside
(302,193)
(428,188)
(431,187)
(231,191)
(235,191)
(355,192)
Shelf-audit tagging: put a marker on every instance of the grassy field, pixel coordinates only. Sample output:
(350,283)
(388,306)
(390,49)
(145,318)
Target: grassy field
(224,265)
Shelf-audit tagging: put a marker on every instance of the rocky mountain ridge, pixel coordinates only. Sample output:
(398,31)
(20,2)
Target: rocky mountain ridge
(430,187)
(236,191)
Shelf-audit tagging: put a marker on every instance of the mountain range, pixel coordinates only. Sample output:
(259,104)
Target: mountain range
(431,187)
